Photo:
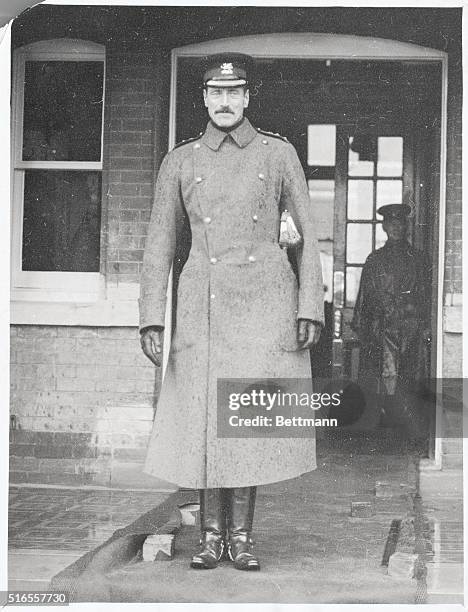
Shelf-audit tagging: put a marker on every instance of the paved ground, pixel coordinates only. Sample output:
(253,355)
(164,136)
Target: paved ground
(72,519)
(311,550)
(442,497)
(310,547)
(50,528)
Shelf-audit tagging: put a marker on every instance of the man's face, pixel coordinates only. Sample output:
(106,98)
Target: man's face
(395,228)
(226,104)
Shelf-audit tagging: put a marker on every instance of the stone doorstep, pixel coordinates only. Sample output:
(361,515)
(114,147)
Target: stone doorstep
(190,513)
(161,546)
(402,565)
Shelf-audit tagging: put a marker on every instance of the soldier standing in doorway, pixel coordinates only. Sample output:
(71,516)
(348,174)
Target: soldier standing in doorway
(241,311)
(392,320)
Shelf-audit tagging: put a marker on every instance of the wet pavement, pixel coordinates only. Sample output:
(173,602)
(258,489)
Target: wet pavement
(50,528)
(312,550)
(72,519)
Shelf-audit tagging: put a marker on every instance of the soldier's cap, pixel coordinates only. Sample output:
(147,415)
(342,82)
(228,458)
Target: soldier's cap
(394,211)
(227,70)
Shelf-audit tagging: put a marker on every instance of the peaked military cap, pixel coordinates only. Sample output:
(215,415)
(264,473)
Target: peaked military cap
(227,70)
(394,211)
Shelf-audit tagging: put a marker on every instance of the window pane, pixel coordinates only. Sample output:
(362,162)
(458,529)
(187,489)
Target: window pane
(62,111)
(360,199)
(358,242)
(389,192)
(61,222)
(390,156)
(353,278)
(321,145)
(322,197)
(380,236)
(360,160)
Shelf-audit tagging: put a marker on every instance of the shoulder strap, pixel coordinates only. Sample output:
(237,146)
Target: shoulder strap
(273,135)
(187,140)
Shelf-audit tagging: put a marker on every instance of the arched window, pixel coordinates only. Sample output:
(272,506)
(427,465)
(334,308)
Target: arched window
(57,123)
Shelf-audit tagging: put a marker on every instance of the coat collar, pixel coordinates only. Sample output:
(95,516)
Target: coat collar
(401,245)
(242,135)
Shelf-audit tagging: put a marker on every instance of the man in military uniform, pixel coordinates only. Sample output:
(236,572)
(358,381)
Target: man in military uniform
(392,319)
(241,311)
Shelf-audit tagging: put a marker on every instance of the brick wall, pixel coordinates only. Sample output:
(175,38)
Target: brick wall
(82,400)
(453,285)
(129,145)
(453,269)
(82,397)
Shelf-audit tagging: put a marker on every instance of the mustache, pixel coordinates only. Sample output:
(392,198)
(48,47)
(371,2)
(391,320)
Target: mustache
(224,109)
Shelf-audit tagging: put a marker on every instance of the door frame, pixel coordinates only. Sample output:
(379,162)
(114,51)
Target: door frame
(316,46)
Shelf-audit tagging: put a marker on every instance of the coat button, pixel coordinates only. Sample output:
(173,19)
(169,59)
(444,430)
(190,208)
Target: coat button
(255,218)
(198,179)
(261,176)
(212,296)
(264,141)
(213,260)
(196,145)
(207,220)
(251,258)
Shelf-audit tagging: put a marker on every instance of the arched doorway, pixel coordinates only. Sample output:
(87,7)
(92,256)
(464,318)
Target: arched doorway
(378,109)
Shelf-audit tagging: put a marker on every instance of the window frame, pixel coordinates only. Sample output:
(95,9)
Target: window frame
(376,220)
(51,286)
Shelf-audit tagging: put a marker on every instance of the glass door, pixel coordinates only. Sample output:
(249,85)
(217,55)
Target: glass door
(373,168)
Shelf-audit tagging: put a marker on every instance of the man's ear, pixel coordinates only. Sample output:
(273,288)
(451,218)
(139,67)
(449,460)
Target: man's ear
(204,97)
(246,98)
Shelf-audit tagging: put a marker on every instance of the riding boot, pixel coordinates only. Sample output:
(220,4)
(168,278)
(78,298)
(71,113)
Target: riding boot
(241,504)
(212,527)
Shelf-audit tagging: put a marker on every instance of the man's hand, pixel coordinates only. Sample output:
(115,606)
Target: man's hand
(151,343)
(308,333)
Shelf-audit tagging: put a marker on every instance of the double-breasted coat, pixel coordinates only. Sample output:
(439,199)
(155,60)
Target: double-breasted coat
(238,301)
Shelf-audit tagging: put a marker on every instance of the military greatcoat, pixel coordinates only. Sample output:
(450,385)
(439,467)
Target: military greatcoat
(391,314)
(238,301)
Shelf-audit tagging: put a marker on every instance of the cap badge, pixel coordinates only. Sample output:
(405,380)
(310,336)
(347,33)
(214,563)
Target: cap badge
(227,68)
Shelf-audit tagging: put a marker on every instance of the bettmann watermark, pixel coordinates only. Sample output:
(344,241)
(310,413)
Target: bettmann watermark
(282,407)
